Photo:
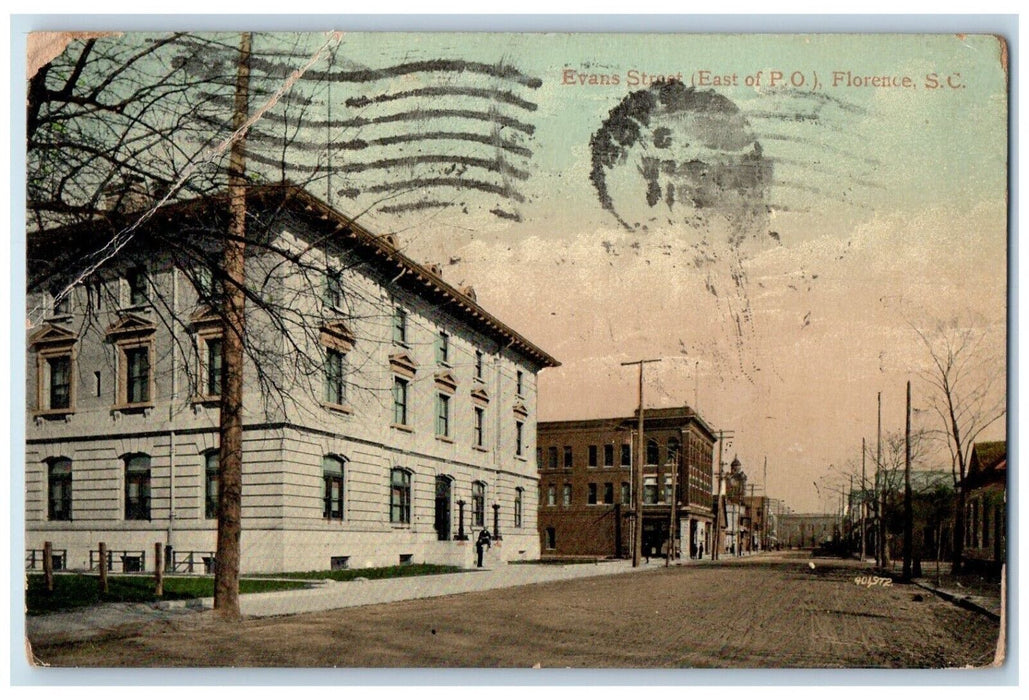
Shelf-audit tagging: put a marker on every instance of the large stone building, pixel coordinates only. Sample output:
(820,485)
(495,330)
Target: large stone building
(387,416)
(585,469)
(807,530)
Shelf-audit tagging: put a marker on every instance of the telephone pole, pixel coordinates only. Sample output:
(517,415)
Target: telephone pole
(880,477)
(908,525)
(716,541)
(864,498)
(637,477)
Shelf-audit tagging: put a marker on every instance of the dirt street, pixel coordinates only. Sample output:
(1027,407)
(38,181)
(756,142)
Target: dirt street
(755,613)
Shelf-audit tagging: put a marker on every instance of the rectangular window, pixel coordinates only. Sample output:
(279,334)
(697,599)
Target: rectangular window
(214,366)
(626,493)
(591,459)
(62,304)
(335,388)
(137,488)
(591,494)
(138,292)
(478,504)
(399,401)
(519,437)
(203,279)
(539,458)
(626,455)
(400,497)
(609,455)
(333,289)
(551,495)
(518,507)
(986,525)
(399,326)
(480,415)
(609,493)
(519,383)
(442,415)
(552,457)
(59,489)
(650,490)
(443,348)
(137,388)
(568,457)
(478,364)
(60,381)
(566,495)
(211,485)
(96,383)
(332,495)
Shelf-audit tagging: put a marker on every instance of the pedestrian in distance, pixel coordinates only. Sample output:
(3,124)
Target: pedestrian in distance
(484,541)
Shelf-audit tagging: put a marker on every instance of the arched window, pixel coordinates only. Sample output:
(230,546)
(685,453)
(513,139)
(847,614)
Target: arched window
(400,496)
(478,504)
(673,450)
(59,489)
(333,469)
(652,451)
(211,484)
(137,487)
(518,507)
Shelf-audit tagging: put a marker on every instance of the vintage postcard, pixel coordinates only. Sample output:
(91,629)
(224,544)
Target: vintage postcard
(513,350)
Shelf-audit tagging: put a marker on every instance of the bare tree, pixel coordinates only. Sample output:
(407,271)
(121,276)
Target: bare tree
(965,376)
(115,131)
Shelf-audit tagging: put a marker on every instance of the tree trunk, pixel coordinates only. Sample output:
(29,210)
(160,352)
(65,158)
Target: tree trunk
(230,461)
(959,528)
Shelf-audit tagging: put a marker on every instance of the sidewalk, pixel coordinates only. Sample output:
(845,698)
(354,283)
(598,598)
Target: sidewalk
(107,620)
(982,600)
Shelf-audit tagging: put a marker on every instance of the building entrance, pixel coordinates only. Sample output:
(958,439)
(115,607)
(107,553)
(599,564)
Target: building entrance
(443,507)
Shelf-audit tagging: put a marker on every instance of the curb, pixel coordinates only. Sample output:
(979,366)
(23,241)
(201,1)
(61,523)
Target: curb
(960,601)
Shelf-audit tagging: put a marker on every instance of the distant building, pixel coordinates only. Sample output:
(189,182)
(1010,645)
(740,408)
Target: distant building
(986,506)
(807,530)
(413,426)
(761,528)
(735,519)
(585,469)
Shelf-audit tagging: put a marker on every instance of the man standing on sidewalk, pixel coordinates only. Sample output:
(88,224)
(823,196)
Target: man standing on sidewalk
(480,545)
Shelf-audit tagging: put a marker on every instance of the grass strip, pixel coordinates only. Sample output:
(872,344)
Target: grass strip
(73,591)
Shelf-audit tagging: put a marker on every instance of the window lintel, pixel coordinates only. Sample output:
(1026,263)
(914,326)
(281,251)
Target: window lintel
(403,364)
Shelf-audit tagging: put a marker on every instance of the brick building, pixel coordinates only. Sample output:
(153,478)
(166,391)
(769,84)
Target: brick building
(585,469)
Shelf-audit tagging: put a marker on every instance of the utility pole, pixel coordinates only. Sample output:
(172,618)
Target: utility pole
(671,519)
(908,525)
(864,504)
(764,506)
(850,513)
(230,459)
(883,555)
(716,543)
(637,477)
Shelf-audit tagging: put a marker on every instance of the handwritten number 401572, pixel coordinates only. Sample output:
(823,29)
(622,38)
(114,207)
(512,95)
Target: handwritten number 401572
(869,581)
